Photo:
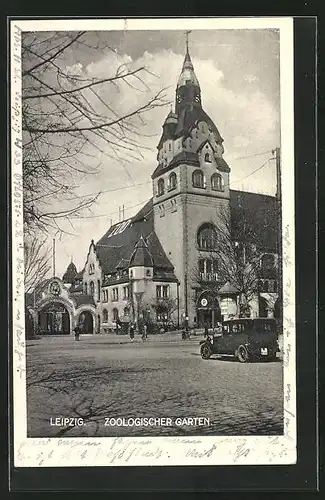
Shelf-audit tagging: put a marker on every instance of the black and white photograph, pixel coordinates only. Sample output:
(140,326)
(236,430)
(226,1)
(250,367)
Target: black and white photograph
(153,229)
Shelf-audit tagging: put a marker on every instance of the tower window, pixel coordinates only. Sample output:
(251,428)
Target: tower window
(161,187)
(169,146)
(172,181)
(198,179)
(206,237)
(216,182)
(92,288)
(207,158)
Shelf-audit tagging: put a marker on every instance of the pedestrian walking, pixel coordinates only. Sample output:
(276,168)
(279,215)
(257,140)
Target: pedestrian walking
(132,332)
(77,332)
(206,329)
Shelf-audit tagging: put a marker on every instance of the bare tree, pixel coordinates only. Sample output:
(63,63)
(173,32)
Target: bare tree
(37,262)
(71,117)
(235,255)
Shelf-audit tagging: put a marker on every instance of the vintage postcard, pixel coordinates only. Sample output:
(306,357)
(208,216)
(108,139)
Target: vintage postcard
(153,255)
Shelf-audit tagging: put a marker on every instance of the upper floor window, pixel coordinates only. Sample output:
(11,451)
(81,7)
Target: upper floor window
(92,288)
(86,289)
(207,158)
(115,294)
(125,293)
(105,295)
(198,179)
(162,291)
(172,181)
(216,182)
(91,268)
(206,237)
(105,316)
(169,146)
(267,261)
(98,290)
(161,187)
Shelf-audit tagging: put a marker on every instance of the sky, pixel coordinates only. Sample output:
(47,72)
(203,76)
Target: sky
(238,72)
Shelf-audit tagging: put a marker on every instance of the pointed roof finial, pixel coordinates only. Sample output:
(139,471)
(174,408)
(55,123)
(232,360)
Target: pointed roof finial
(186,34)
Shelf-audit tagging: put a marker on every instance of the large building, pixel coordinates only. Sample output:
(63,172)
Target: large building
(163,265)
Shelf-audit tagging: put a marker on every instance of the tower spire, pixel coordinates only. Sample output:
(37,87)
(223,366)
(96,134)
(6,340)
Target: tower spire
(186,34)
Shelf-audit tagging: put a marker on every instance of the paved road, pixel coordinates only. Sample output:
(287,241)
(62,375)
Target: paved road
(109,377)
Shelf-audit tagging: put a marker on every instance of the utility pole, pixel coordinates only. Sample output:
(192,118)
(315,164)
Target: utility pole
(53,257)
(277,154)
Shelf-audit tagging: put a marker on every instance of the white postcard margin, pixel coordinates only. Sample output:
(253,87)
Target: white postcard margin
(162,451)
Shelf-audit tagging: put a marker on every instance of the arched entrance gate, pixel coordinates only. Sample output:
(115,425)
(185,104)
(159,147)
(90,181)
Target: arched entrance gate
(54,319)
(208,309)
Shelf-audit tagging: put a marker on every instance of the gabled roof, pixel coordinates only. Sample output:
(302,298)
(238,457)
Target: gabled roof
(111,250)
(182,157)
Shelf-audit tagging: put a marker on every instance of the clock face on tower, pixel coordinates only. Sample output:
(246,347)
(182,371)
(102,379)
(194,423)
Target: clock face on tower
(55,288)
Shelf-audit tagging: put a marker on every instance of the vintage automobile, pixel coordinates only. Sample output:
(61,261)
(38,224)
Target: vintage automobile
(247,339)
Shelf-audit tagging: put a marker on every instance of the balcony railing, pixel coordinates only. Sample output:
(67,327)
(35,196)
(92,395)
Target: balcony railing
(209,276)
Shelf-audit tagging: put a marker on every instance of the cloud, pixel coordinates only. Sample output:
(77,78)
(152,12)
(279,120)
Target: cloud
(246,119)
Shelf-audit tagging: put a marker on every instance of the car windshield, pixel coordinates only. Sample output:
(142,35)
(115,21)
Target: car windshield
(264,325)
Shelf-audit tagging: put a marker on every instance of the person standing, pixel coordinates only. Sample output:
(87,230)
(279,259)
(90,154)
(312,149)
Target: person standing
(132,331)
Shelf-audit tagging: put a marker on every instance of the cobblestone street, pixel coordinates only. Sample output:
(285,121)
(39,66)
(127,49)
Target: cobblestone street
(107,376)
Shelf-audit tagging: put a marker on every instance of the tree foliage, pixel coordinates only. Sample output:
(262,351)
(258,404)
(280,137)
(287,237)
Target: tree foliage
(72,116)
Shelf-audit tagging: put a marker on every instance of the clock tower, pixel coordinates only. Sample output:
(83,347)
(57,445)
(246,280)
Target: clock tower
(190,187)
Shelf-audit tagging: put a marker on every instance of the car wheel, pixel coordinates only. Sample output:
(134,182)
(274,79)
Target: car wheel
(206,351)
(242,354)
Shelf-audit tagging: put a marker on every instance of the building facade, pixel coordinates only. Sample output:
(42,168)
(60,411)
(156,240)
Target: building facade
(164,265)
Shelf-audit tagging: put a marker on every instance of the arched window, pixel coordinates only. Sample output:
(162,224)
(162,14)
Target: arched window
(92,288)
(198,179)
(161,187)
(216,182)
(98,290)
(172,181)
(115,314)
(86,289)
(206,237)
(207,158)
(105,316)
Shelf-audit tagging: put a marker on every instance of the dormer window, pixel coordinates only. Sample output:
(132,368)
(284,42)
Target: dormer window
(207,158)
(161,187)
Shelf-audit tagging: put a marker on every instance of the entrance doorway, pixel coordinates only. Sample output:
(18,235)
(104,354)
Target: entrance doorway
(208,310)
(86,318)
(54,319)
